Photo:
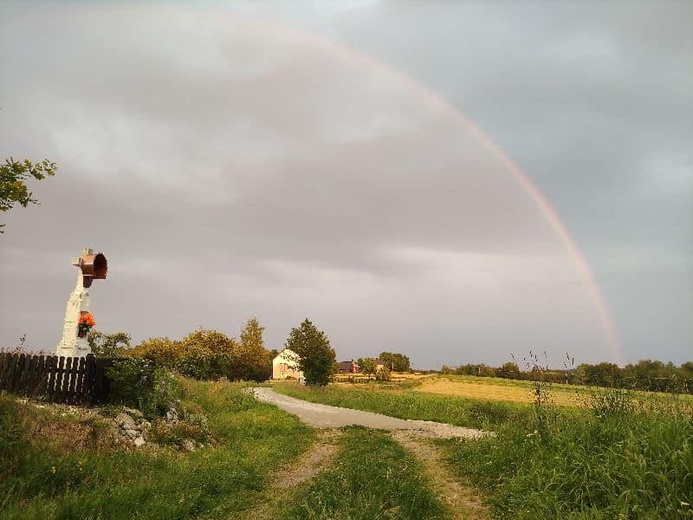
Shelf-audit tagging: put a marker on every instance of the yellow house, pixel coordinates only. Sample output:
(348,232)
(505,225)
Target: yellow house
(285,366)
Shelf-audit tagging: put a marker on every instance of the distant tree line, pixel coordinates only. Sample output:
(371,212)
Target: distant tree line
(646,374)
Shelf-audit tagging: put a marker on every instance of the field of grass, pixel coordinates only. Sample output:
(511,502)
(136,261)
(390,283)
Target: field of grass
(373,478)
(506,390)
(514,391)
(60,467)
(620,455)
(398,401)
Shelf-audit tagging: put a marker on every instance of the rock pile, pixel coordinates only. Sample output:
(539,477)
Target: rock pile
(132,426)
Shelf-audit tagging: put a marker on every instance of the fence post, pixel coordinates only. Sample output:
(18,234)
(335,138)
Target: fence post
(60,380)
(5,358)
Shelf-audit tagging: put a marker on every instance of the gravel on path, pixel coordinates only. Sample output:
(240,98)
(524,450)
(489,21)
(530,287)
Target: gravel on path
(325,416)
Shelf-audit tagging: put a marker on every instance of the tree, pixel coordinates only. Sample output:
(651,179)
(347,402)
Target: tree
(367,366)
(13,176)
(382,374)
(509,370)
(209,354)
(401,363)
(252,357)
(108,345)
(315,356)
(387,359)
(395,362)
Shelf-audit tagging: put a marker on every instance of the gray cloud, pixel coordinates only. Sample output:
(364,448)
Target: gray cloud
(229,166)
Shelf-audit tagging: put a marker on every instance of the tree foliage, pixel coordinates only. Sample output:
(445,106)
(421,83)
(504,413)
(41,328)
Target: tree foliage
(13,177)
(646,374)
(383,374)
(367,366)
(315,356)
(252,359)
(395,362)
(108,345)
(509,370)
(210,354)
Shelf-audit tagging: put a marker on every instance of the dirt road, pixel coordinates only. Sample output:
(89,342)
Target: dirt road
(324,416)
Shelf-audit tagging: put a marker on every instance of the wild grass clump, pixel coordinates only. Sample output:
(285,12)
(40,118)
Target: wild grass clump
(624,456)
(373,478)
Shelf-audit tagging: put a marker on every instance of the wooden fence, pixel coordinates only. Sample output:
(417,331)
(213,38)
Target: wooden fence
(68,380)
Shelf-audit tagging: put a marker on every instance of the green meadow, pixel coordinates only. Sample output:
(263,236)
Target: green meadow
(54,466)
(619,455)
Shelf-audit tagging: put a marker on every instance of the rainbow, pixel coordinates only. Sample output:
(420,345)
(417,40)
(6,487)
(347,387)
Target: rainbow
(273,27)
(552,217)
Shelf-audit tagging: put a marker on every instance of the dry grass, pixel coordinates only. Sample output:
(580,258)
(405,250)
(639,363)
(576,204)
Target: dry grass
(489,390)
(512,391)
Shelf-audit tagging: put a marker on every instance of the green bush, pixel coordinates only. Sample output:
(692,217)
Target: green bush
(142,384)
(210,355)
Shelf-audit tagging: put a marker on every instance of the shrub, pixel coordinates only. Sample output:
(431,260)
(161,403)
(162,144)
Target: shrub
(210,354)
(142,384)
(383,374)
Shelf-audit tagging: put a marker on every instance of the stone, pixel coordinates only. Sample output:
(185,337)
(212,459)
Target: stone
(188,445)
(172,416)
(139,441)
(125,421)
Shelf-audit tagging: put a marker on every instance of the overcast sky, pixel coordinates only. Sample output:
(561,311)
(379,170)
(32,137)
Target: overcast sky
(336,161)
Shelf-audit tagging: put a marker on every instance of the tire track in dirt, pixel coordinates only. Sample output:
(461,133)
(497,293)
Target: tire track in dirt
(317,459)
(463,502)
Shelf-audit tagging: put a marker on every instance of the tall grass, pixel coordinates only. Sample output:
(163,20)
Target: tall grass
(374,478)
(622,457)
(621,454)
(63,467)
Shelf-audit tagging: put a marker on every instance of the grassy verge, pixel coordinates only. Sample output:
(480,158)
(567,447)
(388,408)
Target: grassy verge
(373,478)
(621,455)
(63,467)
(620,458)
(406,404)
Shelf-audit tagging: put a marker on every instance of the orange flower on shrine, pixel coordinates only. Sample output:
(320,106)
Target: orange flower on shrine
(86,322)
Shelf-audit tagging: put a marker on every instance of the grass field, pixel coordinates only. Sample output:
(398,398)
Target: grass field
(410,403)
(61,467)
(619,455)
(505,390)
(373,478)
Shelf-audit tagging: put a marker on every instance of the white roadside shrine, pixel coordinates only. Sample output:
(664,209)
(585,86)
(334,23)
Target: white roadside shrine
(90,267)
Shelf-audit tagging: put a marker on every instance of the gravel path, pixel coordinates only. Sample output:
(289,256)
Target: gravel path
(324,416)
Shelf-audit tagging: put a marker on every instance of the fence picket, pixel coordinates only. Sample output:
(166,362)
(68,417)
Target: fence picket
(78,380)
(50,376)
(72,380)
(15,373)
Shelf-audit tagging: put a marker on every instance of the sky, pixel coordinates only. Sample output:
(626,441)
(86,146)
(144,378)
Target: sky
(461,182)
